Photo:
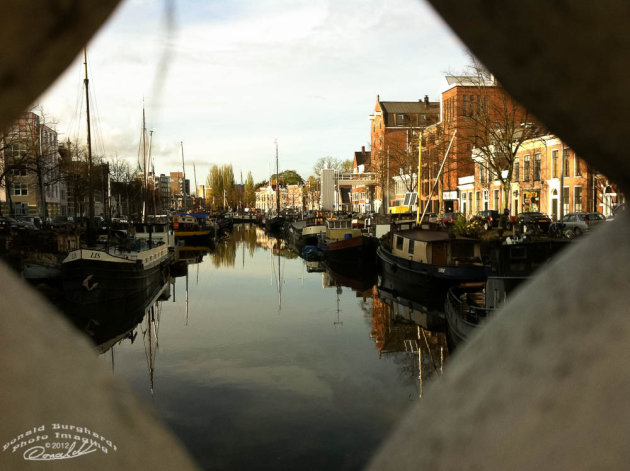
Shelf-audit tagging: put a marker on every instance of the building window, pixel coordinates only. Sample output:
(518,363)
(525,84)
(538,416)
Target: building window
(577,198)
(482,174)
(496,199)
(19,189)
(578,170)
(537,167)
(472,106)
(465,107)
(17,150)
(400,119)
(526,168)
(565,200)
(554,164)
(477,201)
(567,168)
(19,172)
(515,171)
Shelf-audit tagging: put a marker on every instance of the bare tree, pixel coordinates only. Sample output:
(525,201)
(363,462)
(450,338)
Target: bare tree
(495,127)
(327,162)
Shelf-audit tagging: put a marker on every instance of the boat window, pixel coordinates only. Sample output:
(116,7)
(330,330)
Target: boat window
(411,246)
(399,242)
(463,250)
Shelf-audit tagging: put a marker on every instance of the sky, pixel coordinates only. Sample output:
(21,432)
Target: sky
(228,78)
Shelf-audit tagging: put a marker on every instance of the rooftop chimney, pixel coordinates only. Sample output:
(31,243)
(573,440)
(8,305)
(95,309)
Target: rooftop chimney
(378,98)
(426,100)
(363,149)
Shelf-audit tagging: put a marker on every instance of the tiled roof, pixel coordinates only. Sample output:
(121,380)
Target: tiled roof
(410,107)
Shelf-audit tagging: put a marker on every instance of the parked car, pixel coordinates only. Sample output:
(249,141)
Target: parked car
(488,218)
(449,218)
(31,222)
(62,221)
(7,224)
(575,224)
(533,222)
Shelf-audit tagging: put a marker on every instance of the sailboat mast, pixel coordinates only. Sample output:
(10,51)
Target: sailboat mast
(144,167)
(86,82)
(184,178)
(152,173)
(277,182)
(195,175)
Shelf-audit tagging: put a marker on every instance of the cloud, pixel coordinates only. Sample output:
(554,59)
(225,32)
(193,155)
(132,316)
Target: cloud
(240,74)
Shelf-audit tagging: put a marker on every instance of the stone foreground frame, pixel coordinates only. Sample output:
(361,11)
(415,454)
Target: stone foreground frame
(545,384)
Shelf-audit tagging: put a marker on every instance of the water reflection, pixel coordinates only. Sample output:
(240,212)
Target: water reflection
(275,349)
(402,325)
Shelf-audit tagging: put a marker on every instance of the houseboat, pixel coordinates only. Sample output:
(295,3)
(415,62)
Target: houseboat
(129,267)
(193,229)
(468,305)
(419,258)
(346,244)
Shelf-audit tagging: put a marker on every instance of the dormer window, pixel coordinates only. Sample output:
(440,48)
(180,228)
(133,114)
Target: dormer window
(400,119)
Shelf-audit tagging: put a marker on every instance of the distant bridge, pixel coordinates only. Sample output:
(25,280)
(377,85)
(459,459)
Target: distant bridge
(356,179)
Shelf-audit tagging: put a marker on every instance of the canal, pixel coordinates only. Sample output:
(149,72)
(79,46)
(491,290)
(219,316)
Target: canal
(256,360)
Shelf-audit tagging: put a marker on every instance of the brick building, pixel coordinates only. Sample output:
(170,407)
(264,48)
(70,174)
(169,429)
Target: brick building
(394,130)
(547,176)
(475,109)
(32,184)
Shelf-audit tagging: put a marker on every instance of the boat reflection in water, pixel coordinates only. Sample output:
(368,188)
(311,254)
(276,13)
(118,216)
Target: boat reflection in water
(110,323)
(412,333)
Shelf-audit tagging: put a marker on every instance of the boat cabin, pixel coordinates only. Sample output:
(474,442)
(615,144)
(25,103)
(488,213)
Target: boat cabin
(339,229)
(435,247)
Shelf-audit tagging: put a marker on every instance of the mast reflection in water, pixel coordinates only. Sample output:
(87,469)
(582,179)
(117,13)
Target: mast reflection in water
(272,364)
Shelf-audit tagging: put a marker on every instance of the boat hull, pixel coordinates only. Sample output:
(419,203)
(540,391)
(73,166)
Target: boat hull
(463,317)
(410,278)
(359,249)
(90,281)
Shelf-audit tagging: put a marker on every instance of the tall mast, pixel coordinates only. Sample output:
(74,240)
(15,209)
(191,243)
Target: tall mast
(195,174)
(153,173)
(144,166)
(184,178)
(89,142)
(277,182)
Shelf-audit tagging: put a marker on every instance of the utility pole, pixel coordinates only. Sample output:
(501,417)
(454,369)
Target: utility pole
(561,212)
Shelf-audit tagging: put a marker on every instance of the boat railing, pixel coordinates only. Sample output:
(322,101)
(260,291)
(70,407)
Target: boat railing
(465,310)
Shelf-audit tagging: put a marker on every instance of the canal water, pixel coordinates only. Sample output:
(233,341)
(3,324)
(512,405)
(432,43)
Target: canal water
(256,360)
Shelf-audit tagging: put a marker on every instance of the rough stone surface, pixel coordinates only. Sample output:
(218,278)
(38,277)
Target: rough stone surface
(544,385)
(50,374)
(38,40)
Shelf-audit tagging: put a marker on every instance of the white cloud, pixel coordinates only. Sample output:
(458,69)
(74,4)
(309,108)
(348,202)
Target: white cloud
(243,73)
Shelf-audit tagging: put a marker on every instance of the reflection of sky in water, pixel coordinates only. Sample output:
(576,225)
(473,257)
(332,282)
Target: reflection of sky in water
(247,384)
